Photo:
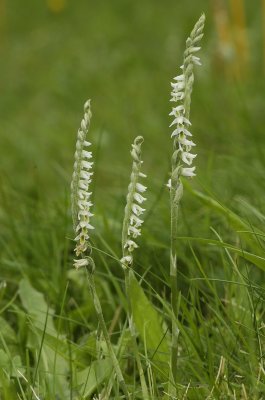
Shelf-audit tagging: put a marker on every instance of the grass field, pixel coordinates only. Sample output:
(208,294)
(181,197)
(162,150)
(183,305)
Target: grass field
(123,55)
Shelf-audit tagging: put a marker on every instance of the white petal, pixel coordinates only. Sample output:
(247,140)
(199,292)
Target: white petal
(189,172)
(126,260)
(177,96)
(179,78)
(87,105)
(196,60)
(139,198)
(179,130)
(83,262)
(83,125)
(82,204)
(134,220)
(80,134)
(137,210)
(142,175)
(86,154)
(86,164)
(81,225)
(188,157)
(88,226)
(130,245)
(194,49)
(83,184)
(140,188)
(84,224)
(185,141)
(83,194)
(177,110)
(84,214)
(180,120)
(85,175)
(178,86)
(134,231)
(81,236)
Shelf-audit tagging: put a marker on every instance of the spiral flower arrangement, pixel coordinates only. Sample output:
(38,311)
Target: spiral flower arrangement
(133,210)
(81,213)
(81,204)
(181,95)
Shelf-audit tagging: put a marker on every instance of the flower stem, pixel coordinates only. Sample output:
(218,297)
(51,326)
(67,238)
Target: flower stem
(128,275)
(175,197)
(98,309)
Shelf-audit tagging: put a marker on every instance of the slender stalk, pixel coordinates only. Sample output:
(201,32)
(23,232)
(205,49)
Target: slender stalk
(131,229)
(98,309)
(128,272)
(174,208)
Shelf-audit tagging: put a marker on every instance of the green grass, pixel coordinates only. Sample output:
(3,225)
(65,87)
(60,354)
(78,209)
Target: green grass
(123,56)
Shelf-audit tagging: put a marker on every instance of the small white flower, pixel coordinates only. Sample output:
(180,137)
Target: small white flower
(188,172)
(85,175)
(140,188)
(82,204)
(179,130)
(130,245)
(137,210)
(132,230)
(134,220)
(177,96)
(177,110)
(185,142)
(177,86)
(84,224)
(169,184)
(84,213)
(86,164)
(83,195)
(139,198)
(180,120)
(86,154)
(194,49)
(83,184)
(83,262)
(179,78)
(196,60)
(127,260)
(187,158)
(82,237)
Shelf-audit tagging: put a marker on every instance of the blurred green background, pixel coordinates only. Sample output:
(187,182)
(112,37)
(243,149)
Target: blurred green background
(54,55)
(123,54)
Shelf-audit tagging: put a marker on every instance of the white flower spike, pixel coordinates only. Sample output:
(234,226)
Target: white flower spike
(80,195)
(181,94)
(132,223)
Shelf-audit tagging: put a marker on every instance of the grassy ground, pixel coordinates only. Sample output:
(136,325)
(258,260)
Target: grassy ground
(123,55)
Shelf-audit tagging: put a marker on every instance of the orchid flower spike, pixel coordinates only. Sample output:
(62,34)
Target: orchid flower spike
(80,195)
(181,95)
(133,210)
